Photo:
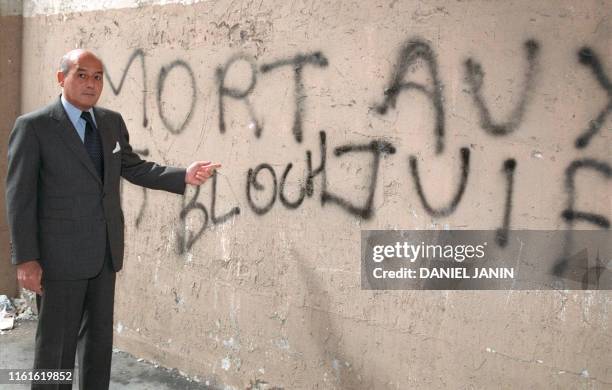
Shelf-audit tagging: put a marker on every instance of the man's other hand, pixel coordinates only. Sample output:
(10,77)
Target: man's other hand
(199,171)
(29,276)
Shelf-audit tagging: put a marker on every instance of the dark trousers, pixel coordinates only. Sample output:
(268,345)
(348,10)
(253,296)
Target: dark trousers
(77,315)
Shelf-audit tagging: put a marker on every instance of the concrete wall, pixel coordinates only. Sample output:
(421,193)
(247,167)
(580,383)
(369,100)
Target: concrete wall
(241,282)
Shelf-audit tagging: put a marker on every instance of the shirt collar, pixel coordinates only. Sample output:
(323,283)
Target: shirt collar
(74,113)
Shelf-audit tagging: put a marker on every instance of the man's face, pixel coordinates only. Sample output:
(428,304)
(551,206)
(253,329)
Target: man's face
(83,83)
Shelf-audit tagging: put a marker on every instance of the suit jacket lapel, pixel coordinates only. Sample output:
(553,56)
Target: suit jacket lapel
(108,144)
(64,128)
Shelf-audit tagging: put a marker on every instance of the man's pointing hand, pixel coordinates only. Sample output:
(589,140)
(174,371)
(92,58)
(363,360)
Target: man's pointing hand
(199,171)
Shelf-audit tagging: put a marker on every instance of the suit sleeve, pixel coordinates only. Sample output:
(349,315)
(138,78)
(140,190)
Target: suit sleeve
(146,173)
(22,192)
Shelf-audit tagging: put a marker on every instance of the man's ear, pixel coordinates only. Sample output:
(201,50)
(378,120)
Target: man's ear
(60,78)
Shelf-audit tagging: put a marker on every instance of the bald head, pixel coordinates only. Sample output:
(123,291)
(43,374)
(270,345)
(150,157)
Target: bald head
(81,78)
(73,56)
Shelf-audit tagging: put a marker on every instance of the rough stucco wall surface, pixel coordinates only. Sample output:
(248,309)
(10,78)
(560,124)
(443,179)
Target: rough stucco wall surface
(272,292)
(10,83)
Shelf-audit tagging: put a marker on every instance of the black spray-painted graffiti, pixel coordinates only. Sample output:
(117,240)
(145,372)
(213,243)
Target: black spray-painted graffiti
(161,83)
(235,93)
(264,185)
(408,57)
(378,148)
(252,182)
(448,210)
(143,205)
(139,53)
(281,192)
(186,239)
(213,203)
(587,57)
(298,62)
(312,173)
(501,236)
(570,214)
(475,78)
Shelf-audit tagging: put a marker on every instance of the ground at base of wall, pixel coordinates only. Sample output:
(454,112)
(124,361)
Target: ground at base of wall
(128,372)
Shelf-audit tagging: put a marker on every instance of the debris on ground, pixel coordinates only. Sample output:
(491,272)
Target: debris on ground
(7,321)
(27,315)
(26,306)
(17,309)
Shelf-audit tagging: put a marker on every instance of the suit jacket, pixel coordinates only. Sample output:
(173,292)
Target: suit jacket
(59,210)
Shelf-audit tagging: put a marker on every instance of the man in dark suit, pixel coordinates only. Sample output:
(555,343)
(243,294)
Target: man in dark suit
(64,211)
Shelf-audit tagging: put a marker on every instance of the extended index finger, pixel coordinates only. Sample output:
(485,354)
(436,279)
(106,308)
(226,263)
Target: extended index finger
(209,167)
